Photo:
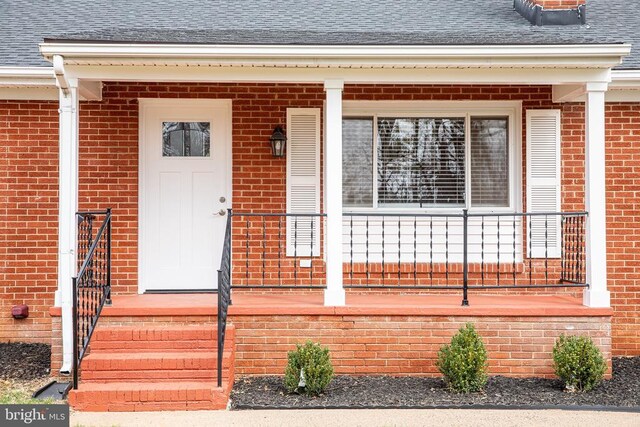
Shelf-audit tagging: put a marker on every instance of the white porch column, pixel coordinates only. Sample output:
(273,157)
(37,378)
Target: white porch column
(68,206)
(334,295)
(595,197)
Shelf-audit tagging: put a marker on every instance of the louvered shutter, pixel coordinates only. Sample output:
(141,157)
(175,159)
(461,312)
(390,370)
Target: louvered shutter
(303,180)
(543,181)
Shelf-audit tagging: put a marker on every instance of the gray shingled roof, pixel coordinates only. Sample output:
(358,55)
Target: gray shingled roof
(383,22)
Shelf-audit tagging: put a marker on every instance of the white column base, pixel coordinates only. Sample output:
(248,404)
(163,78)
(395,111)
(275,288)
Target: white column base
(57,298)
(596,298)
(334,297)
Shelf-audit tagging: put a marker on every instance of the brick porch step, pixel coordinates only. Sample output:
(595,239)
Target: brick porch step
(151,338)
(176,365)
(154,367)
(151,396)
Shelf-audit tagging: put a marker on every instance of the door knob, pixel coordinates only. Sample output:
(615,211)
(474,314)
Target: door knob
(222,212)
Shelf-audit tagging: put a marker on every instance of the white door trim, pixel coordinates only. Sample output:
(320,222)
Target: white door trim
(144,104)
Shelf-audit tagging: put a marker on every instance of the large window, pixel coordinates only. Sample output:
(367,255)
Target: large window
(426,162)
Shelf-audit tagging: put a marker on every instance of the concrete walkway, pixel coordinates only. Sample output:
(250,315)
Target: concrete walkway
(358,417)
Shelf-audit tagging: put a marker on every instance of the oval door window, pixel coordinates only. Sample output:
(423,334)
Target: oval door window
(186,139)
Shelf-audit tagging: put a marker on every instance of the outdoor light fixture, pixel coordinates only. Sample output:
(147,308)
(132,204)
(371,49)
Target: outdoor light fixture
(278,142)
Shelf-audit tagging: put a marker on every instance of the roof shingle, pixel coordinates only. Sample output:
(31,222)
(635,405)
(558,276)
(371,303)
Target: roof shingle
(372,22)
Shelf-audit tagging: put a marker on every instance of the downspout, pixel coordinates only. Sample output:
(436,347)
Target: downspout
(61,79)
(67,206)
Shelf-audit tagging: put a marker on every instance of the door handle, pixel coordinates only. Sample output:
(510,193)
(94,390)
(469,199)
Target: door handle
(222,212)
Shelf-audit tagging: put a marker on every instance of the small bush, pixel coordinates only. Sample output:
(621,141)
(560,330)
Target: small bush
(309,370)
(464,362)
(578,362)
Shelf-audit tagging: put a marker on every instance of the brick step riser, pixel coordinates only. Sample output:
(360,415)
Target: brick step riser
(148,365)
(154,335)
(141,365)
(149,400)
(155,345)
(215,405)
(153,376)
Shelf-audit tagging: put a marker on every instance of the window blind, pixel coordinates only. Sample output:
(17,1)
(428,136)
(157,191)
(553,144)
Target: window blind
(421,161)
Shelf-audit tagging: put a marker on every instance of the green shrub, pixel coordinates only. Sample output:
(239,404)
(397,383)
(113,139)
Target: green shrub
(464,362)
(309,370)
(578,362)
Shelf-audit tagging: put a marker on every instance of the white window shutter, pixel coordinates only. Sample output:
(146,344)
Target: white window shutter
(543,182)
(303,180)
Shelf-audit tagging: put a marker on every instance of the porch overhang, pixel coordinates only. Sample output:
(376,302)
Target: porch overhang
(39,83)
(28,83)
(473,64)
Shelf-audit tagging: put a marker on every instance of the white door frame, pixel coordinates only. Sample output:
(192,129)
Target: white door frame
(172,103)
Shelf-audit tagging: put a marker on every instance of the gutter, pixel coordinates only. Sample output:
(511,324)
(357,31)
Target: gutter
(27,77)
(580,56)
(625,79)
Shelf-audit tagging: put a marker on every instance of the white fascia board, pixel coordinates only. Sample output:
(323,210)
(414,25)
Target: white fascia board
(462,76)
(604,56)
(625,79)
(39,83)
(623,95)
(27,76)
(29,93)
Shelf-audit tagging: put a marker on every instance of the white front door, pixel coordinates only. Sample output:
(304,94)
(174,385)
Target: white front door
(185,152)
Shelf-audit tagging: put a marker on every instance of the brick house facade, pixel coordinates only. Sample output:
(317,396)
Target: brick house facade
(555,254)
(109,151)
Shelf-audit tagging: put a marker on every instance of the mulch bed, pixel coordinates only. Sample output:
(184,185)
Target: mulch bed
(22,361)
(623,391)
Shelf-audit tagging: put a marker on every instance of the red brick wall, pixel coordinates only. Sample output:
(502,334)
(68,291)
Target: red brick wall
(28,216)
(108,169)
(623,205)
(407,345)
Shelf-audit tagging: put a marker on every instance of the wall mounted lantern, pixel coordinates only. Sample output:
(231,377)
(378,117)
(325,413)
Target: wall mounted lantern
(278,142)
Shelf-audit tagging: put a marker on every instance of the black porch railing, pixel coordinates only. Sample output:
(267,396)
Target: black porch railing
(464,251)
(224,293)
(278,250)
(92,285)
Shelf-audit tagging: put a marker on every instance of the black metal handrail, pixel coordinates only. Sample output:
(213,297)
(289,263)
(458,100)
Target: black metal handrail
(91,287)
(462,251)
(224,293)
(279,250)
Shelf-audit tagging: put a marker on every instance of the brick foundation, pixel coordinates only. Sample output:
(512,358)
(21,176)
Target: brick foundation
(408,345)
(380,344)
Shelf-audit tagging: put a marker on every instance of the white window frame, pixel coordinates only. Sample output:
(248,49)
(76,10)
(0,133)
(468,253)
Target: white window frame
(447,109)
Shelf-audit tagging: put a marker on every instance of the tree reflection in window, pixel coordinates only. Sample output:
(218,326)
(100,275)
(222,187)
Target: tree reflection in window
(421,161)
(186,139)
